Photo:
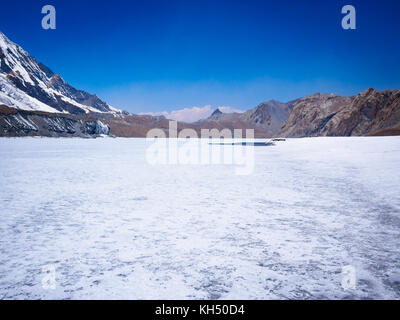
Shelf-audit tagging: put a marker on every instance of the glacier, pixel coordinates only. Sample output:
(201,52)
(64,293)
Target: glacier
(114,227)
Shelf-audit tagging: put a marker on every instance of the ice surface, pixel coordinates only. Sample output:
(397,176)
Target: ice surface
(115,227)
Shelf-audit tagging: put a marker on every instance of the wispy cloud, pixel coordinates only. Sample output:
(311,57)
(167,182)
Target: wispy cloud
(193,114)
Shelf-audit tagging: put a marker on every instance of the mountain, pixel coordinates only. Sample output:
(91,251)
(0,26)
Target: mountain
(36,101)
(28,85)
(216,115)
(271,115)
(369,113)
(266,119)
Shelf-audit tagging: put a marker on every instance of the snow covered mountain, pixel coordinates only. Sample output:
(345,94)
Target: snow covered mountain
(26,84)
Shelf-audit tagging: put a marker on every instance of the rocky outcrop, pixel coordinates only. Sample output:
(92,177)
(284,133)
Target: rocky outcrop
(271,115)
(332,115)
(15,123)
(370,112)
(314,115)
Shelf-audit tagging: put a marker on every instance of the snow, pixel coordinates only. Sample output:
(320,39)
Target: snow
(79,105)
(102,128)
(24,122)
(14,57)
(113,226)
(16,98)
(25,67)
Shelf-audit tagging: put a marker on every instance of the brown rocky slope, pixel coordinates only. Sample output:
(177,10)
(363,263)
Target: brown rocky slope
(371,112)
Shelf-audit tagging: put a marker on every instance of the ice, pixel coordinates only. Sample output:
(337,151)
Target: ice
(113,226)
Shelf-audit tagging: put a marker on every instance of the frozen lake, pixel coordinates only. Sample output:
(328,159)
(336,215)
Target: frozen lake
(113,226)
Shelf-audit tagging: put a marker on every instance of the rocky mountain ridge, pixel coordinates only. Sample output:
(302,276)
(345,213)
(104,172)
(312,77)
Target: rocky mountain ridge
(367,113)
(26,84)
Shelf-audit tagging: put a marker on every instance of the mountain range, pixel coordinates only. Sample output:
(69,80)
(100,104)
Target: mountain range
(36,101)
(371,112)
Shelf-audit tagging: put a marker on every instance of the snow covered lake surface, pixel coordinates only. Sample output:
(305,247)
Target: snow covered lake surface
(113,226)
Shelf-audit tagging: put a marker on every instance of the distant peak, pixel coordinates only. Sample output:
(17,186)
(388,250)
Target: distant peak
(216,112)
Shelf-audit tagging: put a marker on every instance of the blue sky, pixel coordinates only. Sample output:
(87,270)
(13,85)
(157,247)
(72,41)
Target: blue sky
(152,56)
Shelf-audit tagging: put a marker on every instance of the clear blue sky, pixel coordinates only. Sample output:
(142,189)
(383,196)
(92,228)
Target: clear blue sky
(166,54)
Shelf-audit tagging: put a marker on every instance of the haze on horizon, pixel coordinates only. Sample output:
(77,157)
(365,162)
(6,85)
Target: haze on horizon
(159,56)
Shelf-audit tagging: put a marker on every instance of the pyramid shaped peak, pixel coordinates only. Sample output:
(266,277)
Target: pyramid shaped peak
(216,112)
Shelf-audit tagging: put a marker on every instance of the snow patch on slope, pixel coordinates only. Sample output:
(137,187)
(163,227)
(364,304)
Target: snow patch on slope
(16,98)
(13,58)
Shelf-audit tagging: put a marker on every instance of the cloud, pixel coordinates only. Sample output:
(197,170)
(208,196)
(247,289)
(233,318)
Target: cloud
(229,110)
(193,114)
